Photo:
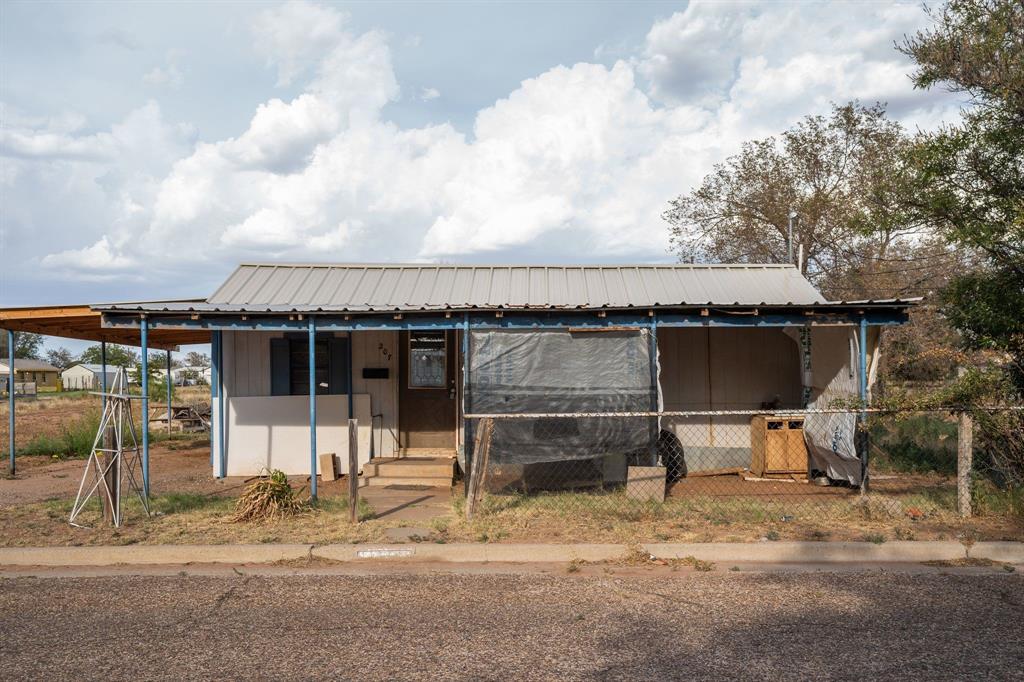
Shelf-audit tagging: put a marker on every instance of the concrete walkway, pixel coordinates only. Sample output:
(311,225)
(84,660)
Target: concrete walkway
(765,552)
(408,503)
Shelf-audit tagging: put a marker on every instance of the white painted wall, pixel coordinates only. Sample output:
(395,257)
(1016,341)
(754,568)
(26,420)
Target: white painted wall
(264,430)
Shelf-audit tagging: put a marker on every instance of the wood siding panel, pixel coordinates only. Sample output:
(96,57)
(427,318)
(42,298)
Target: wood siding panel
(725,369)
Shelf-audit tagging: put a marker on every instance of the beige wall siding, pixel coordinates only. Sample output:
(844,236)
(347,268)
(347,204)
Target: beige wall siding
(378,349)
(247,375)
(725,369)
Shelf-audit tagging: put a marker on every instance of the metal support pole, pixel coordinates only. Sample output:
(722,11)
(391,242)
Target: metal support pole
(466,426)
(653,360)
(222,427)
(348,381)
(103,372)
(168,394)
(11,467)
(312,407)
(863,394)
(144,339)
(214,396)
(789,237)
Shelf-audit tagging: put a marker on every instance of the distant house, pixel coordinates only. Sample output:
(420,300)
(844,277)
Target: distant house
(190,375)
(86,377)
(30,376)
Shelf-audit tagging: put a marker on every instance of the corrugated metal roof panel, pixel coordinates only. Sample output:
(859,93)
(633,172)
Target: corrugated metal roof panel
(379,287)
(385,287)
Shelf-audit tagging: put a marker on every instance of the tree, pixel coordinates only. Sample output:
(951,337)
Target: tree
(196,359)
(843,176)
(969,178)
(60,357)
(117,356)
(968,182)
(158,360)
(26,345)
(847,177)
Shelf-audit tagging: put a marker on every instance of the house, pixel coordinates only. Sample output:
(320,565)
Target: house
(87,377)
(30,376)
(419,353)
(188,375)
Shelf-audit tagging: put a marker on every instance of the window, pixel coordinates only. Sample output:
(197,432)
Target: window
(289,365)
(428,352)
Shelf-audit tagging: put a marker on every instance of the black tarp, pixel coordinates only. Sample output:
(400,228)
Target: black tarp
(563,371)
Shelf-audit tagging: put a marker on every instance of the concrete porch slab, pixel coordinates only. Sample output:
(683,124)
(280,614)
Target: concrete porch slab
(419,505)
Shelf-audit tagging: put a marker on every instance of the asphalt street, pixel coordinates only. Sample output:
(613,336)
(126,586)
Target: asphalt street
(567,626)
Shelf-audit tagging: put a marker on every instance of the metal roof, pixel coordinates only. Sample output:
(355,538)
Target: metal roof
(28,365)
(386,287)
(389,287)
(96,369)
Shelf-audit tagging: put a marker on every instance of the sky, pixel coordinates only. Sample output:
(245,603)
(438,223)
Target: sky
(147,148)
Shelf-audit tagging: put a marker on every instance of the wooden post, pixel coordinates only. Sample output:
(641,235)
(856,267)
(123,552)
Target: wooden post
(481,450)
(353,470)
(964,463)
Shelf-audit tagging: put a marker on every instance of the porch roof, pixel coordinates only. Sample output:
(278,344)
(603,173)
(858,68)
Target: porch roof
(391,288)
(84,323)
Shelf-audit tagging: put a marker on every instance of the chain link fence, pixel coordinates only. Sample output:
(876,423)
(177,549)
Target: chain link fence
(742,464)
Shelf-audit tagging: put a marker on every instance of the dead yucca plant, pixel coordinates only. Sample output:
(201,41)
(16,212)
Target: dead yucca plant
(267,499)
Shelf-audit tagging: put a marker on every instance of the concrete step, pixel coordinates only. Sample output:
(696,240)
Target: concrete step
(432,481)
(427,452)
(409,466)
(431,471)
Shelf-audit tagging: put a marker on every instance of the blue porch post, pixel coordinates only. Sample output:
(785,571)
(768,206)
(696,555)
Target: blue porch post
(312,407)
(863,394)
(467,428)
(168,393)
(348,378)
(103,372)
(214,397)
(10,399)
(654,386)
(144,340)
(222,429)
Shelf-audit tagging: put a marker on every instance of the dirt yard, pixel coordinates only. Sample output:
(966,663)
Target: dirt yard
(50,413)
(192,507)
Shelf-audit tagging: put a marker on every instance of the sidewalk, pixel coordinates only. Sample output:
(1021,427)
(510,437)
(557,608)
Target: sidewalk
(764,552)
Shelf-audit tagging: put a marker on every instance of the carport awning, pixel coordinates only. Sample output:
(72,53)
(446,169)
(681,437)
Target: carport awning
(82,322)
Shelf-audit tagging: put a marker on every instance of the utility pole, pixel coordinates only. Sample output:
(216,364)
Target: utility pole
(789,236)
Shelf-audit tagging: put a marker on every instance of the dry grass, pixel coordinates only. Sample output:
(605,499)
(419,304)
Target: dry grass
(186,518)
(268,499)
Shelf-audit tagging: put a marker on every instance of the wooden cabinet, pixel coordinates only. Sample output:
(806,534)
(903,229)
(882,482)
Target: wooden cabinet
(777,447)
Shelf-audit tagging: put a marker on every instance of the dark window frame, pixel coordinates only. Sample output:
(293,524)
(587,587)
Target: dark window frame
(331,364)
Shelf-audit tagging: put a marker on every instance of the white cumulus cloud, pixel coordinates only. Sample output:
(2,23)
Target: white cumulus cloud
(576,163)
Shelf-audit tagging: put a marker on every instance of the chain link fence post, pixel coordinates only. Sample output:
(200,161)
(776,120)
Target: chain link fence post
(964,462)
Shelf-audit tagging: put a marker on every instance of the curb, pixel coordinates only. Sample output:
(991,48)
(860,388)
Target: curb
(762,552)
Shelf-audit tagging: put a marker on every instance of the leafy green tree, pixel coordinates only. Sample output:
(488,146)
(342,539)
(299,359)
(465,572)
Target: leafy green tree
(27,345)
(968,182)
(843,177)
(969,178)
(60,358)
(117,356)
(197,359)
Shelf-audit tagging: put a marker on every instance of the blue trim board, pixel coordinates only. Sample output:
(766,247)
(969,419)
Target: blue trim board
(508,320)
